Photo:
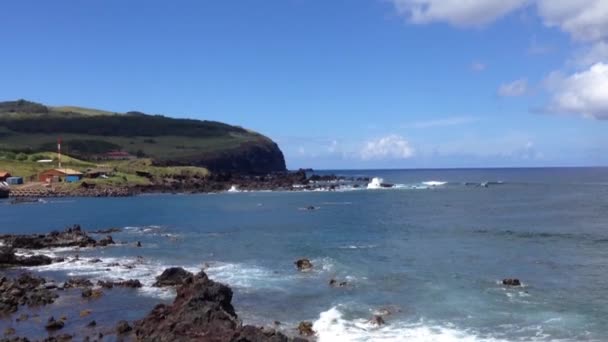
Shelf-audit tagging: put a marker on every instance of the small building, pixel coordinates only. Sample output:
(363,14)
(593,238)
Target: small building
(99,172)
(14,180)
(60,175)
(4,175)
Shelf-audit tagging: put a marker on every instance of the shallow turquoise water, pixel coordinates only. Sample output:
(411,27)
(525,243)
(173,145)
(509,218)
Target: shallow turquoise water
(433,256)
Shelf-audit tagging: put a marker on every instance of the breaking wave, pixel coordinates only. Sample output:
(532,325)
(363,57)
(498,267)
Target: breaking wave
(333,327)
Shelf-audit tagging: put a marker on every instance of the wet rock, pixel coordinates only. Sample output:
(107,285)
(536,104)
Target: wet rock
(107,231)
(253,334)
(77,283)
(172,276)
(85,313)
(23,290)
(91,324)
(91,293)
(59,338)
(105,284)
(95,261)
(131,283)
(53,324)
(377,320)
(8,258)
(70,237)
(303,264)
(9,331)
(123,327)
(511,282)
(138,244)
(305,329)
(335,283)
(202,310)
(113,264)
(106,241)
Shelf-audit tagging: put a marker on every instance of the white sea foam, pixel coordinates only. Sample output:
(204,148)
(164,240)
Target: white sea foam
(332,327)
(376,183)
(434,183)
(233,189)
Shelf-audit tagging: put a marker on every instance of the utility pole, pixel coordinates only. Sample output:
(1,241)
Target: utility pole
(59,151)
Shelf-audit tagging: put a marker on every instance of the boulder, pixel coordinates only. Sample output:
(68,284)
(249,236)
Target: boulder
(377,320)
(23,290)
(172,276)
(202,311)
(8,258)
(303,264)
(511,282)
(53,324)
(77,283)
(106,241)
(70,237)
(123,327)
(305,328)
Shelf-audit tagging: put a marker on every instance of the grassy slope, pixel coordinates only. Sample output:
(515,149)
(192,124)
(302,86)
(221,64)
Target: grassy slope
(175,143)
(124,175)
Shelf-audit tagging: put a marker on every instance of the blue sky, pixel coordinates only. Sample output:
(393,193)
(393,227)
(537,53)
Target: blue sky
(340,83)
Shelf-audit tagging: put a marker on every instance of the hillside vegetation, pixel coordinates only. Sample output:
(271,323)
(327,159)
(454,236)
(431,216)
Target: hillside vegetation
(88,134)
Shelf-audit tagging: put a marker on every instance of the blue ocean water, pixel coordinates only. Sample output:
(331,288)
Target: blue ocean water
(431,251)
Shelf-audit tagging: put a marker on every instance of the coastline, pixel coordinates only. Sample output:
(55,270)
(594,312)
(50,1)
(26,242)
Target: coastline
(200,306)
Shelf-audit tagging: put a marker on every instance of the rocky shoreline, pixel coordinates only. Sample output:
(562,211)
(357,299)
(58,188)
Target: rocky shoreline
(219,182)
(201,311)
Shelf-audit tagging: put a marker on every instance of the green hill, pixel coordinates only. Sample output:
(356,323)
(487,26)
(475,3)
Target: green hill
(90,134)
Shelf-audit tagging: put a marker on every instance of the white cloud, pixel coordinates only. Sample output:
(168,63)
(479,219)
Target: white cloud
(584,93)
(456,12)
(515,88)
(390,147)
(598,52)
(585,20)
(478,66)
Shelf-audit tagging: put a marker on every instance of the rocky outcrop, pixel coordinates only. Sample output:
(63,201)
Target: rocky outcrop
(511,282)
(202,311)
(70,237)
(303,265)
(24,290)
(172,276)
(8,258)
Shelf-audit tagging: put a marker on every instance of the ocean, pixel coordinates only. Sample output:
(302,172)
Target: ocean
(432,251)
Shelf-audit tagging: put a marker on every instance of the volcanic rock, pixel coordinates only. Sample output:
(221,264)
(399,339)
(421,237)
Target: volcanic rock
(172,276)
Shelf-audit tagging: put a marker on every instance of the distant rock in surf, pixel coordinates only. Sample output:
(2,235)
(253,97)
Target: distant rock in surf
(303,265)
(172,277)
(511,282)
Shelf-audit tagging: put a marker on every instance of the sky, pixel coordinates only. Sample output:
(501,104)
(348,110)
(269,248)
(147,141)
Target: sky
(337,84)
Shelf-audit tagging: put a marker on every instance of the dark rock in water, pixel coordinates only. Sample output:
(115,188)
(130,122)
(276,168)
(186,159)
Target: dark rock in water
(53,324)
(377,320)
(91,293)
(131,283)
(123,327)
(70,237)
(201,311)
(59,338)
(91,324)
(511,282)
(305,329)
(77,283)
(303,264)
(138,244)
(107,231)
(8,258)
(106,241)
(95,261)
(23,290)
(253,334)
(9,331)
(172,276)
